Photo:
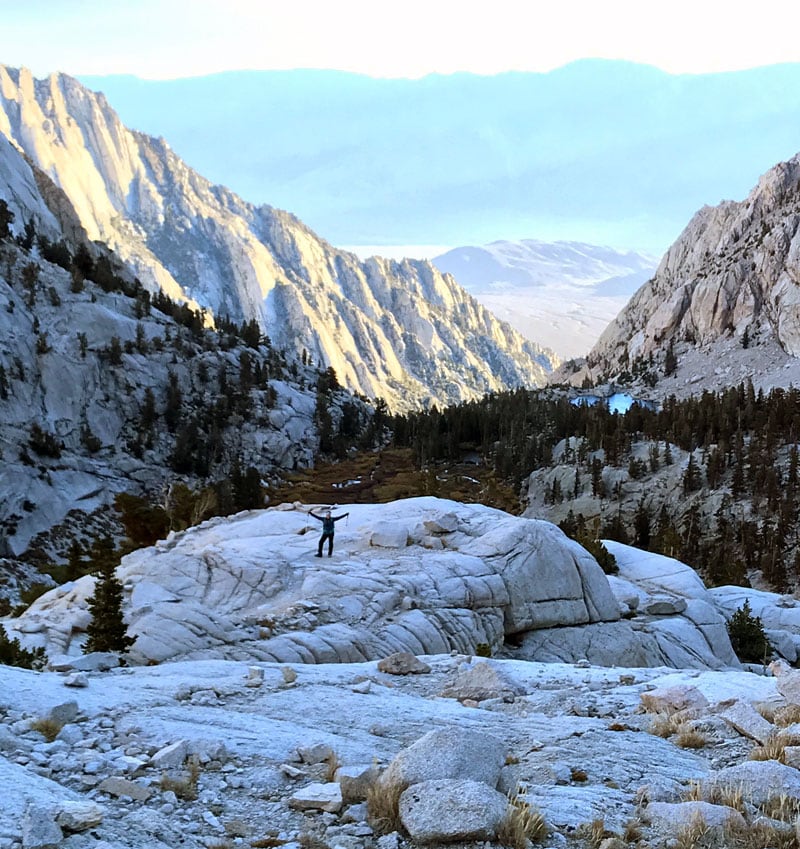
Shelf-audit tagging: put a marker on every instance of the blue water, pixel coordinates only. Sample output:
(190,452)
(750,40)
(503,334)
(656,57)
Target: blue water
(619,402)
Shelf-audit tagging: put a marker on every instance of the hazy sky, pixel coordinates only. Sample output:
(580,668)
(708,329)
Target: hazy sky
(170,38)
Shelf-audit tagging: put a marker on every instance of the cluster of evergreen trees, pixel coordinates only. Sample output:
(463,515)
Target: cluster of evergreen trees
(741,444)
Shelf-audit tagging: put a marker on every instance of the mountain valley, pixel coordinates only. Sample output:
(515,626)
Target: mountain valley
(543,622)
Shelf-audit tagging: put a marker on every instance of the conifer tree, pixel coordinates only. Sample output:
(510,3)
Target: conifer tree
(6,217)
(747,635)
(12,653)
(107,630)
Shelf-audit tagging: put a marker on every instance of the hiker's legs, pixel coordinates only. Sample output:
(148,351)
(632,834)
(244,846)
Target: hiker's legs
(319,547)
(330,545)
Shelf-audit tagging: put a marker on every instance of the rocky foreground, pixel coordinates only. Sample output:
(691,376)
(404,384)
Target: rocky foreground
(219,753)
(274,698)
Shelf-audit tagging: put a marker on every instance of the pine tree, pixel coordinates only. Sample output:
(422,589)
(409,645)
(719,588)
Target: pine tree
(691,477)
(6,217)
(107,630)
(747,635)
(12,653)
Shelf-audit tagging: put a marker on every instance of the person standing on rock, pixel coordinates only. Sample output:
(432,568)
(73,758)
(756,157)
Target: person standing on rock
(328,528)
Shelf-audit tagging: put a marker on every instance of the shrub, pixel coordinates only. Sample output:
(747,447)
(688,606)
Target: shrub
(185,785)
(747,636)
(47,727)
(521,825)
(45,444)
(12,653)
(383,806)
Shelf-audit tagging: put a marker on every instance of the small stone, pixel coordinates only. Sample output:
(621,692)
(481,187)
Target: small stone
(613,843)
(315,754)
(355,813)
(77,679)
(292,771)
(746,720)
(665,606)
(255,677)
(319,797)
(389,841)
(78,816)
(450,810)
(289,675)
(681,698)
(172,756)
(64,713)
(115,786)
(627,680)
(403,663)
(210,819)
(362,687)
(356,781)
(70,734)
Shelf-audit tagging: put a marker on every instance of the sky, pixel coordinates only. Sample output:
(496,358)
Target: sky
(164,39)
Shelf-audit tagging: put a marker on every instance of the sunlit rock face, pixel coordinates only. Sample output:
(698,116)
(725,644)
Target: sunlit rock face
(399,330)
(734,270)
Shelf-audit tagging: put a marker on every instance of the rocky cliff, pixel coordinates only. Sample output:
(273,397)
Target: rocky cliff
(731,281)
(401,330)
(103,391)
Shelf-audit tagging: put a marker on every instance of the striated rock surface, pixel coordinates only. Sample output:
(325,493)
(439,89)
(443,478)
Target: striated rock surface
(401,330)
(675,620)
(249,587)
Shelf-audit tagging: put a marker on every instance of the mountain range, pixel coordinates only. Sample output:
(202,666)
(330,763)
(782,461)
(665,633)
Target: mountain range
(605,152)
(560,294)
(399,330)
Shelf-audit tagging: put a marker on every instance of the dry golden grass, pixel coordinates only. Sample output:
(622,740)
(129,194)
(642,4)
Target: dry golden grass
(332,763)
(758,835)
(787,715)
(783,808)
(269,842)
(731,795)
(310,840)
(632,832)
(184,786)
(522,823)
(665,725)
(694,835)
(773,749)
(578,775)
(383,806)
(594,832)
(688,738)
(48,728)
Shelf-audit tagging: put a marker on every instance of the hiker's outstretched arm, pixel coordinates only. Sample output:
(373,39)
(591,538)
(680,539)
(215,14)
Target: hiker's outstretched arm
(312,513)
